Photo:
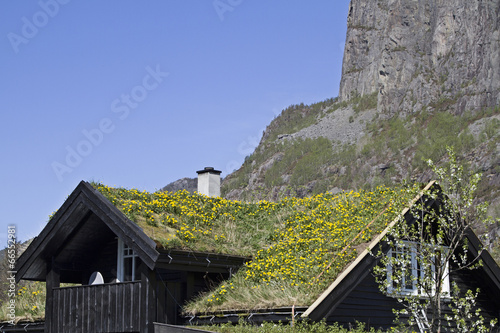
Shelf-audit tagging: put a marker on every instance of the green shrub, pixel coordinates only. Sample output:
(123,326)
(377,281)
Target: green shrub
(365,102)
(299,327)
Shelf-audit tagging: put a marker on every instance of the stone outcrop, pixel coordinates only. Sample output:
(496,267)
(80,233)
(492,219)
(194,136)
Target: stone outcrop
(188,184)
(411,58)
(423,53)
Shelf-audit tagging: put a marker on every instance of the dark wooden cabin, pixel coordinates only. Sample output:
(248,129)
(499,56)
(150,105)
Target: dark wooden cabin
(144,285)
(355,295)
(138,284)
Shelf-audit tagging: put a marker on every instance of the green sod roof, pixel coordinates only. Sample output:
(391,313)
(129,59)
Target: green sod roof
(298,245)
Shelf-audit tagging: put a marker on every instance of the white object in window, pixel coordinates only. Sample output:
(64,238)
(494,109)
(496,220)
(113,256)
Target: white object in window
(127,263)
(411,270)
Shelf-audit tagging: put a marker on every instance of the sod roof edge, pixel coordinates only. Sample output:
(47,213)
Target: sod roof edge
(365,253)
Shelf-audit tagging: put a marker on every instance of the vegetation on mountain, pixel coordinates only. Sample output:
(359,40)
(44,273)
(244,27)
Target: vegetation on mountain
(296,117)
(389,151)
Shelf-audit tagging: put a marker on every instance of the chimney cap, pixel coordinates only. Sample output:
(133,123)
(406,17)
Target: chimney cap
(209,170)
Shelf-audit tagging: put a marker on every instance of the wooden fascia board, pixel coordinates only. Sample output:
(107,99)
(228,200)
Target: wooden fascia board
(38,244)
(490,267)
(128,231)
(325,296)
(199,261)
(94,201)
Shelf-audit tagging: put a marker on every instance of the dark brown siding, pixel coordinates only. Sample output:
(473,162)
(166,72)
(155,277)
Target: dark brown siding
(365,304)
(178,287)
(368,305)
(98,308)
(486,300)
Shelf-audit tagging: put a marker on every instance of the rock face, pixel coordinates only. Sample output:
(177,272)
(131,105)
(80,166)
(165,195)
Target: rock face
(423,53)
(415,59)
(188,184)
(412,71)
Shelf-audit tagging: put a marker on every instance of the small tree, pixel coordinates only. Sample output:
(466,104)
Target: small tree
(424,250)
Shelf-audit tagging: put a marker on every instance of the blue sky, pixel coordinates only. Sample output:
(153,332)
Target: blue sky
(140,94)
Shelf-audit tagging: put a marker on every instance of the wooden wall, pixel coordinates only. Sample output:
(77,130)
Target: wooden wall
(98,308)
(367,304)
(180,286)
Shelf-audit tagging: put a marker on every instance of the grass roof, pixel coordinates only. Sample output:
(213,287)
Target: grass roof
(298,245)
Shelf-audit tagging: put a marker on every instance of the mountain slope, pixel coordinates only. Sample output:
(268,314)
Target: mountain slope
(417,76)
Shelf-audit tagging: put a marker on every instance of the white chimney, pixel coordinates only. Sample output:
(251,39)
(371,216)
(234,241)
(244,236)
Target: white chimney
(209,182)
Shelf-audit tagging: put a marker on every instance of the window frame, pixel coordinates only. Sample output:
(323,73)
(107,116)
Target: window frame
(120,266)
(417,271)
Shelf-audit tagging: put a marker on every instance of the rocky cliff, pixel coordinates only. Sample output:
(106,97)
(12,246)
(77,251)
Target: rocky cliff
(188,184)
(422,53)
(418,75)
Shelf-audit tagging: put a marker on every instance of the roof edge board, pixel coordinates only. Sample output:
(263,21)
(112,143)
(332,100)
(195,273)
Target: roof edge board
(365,253)
(489,264)
(122,226)
(94,201)
(67,208)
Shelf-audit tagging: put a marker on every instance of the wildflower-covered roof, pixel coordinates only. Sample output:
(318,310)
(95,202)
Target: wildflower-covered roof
(298,245)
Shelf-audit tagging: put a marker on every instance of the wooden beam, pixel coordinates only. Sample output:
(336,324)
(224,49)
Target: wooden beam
(53,281)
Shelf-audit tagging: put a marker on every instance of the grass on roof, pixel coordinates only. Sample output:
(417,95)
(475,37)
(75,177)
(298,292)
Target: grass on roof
(298,245)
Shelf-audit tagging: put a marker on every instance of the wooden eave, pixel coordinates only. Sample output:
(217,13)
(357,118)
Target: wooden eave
(84,200)
(491,276)
(255,316)
(175,259)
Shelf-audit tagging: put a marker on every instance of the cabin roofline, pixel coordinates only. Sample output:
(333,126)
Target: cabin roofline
(364,263)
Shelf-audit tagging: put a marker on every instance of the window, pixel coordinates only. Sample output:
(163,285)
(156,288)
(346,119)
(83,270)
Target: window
(127,264)
(407,274)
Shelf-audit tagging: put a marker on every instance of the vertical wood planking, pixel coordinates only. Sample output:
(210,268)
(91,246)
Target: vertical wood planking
(127,299)
(102,308)
(92,313)
(136,306)
(78,307)
(98,308)
(65,318)
(53,280)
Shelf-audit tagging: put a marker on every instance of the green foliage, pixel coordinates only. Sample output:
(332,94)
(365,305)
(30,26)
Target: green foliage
(464,309)
(428,250)
(310,245)
(442,129)
(491,129)
(299,327)
(365,102)
(296,117)
(29,302)
(392,135)
(300,159)
(312,152)
(29,296)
